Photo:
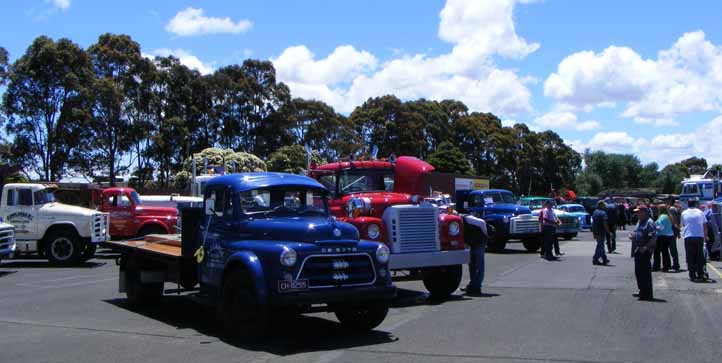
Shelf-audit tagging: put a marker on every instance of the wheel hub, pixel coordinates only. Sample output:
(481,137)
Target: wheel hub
(62,248)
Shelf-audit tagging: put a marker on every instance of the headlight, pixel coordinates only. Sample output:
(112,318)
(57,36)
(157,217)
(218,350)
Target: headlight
(454,228)
(373,231)
(288,257)
(382,254)
(505,219)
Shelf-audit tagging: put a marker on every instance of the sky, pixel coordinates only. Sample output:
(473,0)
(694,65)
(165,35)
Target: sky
(641,77)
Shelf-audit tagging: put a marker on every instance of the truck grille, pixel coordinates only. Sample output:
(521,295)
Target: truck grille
(7,238)
(337,270)
(413,228)
(568,222)
(100,232)
(524,224)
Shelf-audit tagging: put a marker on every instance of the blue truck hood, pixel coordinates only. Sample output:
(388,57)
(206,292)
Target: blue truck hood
(300,229)
(503,208)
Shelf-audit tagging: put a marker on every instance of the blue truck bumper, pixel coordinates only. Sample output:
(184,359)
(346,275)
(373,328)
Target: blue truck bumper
(332,296)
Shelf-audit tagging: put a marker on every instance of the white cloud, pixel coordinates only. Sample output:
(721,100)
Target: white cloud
(612,140)
(685,78)
(588,126)
(478,31)
(60,4)
(186,58)
(656,122)
(192,21)
(557,120)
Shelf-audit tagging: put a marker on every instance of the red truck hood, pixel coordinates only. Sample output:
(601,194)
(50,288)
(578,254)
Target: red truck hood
(379,201)
(156,211)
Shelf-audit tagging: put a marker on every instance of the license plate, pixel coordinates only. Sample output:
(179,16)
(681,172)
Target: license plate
(292,285)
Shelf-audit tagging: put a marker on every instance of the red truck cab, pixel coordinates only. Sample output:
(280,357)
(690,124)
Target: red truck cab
(384,200)
(130,218)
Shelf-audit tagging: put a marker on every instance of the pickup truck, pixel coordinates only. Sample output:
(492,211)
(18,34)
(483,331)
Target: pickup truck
(505,220)
(262,245)
(130,217)
(62,233)
(7,241)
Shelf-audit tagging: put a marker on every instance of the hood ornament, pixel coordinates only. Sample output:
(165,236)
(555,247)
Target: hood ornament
(337,232)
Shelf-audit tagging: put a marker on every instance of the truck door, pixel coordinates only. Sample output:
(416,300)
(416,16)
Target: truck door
(216,228)
(21,213)
(121,214)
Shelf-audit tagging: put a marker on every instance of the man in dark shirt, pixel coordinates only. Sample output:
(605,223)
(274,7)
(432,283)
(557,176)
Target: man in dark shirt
(600,229)
(612,219)
(644,241)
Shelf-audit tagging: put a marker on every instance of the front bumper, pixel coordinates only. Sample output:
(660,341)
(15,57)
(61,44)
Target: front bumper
(567,230)
(332,296)
(405,261)
(7,251)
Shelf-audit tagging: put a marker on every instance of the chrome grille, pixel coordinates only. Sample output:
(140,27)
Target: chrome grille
(337,270)
(413,228)
(100,232)
(7,238)
(524,224)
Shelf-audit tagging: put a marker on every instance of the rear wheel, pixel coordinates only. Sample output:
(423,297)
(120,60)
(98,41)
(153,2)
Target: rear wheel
(88,251)
(362,317)
(531,244)
(151,229)
(243,315)
(63,247)
(442,281)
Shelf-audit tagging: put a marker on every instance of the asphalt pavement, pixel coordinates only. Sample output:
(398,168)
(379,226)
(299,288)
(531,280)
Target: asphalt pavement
(532,310)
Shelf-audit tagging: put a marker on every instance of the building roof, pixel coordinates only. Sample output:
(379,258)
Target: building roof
(247,181)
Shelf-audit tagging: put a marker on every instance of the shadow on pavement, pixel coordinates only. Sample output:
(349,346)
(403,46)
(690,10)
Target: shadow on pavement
(407,298)
(46,264)
(293,335)
(5,273)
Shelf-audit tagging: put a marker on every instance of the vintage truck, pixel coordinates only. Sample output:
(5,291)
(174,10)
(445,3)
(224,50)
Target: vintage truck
(130,217)
(7,241)
(570,226)
(62,233)
(505,219)
(383,199)
(263,245)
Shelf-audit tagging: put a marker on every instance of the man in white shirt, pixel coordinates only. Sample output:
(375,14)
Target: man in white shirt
(549,223)
(694,232)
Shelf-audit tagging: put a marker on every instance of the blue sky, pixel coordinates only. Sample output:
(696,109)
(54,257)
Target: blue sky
(642,77)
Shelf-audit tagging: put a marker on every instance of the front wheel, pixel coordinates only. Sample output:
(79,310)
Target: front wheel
(442,281)
(63,248)
(531,244)
(243,316)
(568,237)
(362,317)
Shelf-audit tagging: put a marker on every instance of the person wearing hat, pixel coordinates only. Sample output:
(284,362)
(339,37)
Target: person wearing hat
(644,241)
(694,232)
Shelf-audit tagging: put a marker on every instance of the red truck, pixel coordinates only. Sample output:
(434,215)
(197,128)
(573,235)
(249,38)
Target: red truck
(383,199)
(130,218)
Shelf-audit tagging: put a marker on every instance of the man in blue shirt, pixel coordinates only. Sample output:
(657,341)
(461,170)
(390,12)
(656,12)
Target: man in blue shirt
(600,229)
(644,241)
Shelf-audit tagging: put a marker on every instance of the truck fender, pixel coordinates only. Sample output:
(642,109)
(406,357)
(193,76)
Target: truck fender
(251,264)
(59,225)
(155,222)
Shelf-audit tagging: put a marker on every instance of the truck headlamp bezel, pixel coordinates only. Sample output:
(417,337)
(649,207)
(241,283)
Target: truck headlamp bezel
(288,257)
(383,254)
(454,228)
(373,231)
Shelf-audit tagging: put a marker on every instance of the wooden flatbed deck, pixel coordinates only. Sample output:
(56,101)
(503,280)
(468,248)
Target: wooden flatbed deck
(168,245)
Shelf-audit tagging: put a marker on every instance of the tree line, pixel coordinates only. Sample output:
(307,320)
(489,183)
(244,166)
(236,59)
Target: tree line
(108,110)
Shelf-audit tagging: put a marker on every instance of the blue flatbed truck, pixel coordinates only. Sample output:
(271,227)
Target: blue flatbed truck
(263,245)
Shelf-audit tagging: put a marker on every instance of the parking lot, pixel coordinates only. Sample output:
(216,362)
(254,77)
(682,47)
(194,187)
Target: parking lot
(532,310)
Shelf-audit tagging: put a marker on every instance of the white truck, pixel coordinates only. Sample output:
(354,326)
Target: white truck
(7,241)
(64,234)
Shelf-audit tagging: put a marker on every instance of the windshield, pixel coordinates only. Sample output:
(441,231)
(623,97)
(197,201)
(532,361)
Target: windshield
(575,209)
(365,180)
(44,196)
(491,198)
(690,189)
(284,201)
(535,203)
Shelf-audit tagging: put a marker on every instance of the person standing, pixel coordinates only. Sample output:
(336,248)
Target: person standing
(694,232)
(549,223)
(665,237)
(477,238)
(612,219)
(714,226)
(644,240)
(600,229)
(622,217)
(674,214)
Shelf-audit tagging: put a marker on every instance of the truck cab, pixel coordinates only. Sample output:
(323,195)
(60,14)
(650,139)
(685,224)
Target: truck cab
(384,200)
(704,188)
(505,219)
(129,217)
(264,243)
(64,234)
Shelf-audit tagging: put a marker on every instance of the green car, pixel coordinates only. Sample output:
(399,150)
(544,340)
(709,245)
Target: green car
(570,226)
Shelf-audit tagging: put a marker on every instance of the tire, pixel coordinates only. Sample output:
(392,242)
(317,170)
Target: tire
(142,294)
(244,317)
(496,245)
(442,281)
(362,318)
(568,237)
(63,247)
(151,229)
(531,244)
